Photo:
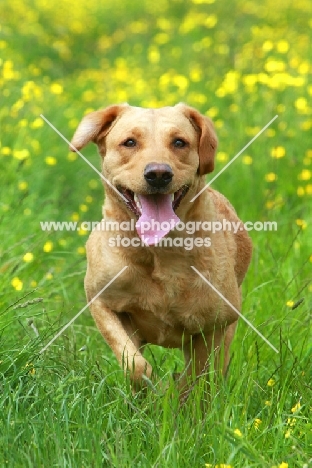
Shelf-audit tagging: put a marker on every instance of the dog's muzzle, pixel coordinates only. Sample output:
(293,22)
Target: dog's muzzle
(155,209)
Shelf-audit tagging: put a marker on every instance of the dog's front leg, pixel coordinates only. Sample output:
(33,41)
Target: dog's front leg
(123,340)
(200,351)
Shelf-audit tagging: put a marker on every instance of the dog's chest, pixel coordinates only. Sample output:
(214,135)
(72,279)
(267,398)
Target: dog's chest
(167,302)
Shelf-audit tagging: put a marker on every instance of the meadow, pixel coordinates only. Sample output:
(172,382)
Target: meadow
(240,62)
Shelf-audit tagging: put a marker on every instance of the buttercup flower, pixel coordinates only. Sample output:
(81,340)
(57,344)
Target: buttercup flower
(28,257)
(48,246)
(17,283)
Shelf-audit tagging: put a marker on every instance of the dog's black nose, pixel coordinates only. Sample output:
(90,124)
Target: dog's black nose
(158,175)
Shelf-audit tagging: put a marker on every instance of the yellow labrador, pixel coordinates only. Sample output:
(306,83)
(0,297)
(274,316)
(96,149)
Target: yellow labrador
(154,162)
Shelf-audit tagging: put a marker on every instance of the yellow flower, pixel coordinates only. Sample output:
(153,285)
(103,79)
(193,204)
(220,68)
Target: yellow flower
(305,174)
(250,80)
(48,246)
(252,131)
(270,132)
(153,55)
(6,150)
(247,160)
(301,223)
(267,46)
(75,217)
(230,82)
(21,154)
(212,112)
(82,231)
(238,433)
(221,465)
(181,82)
(72,156)
(270,177)
(271,383)
(268,403)
(301,104)
(16,107)
(37,123)
(73,123)
(278,152)
(28,257)
(309,189)
(220,92)
(274,66)
(89,199)
(49,276)
(162,38)
(33,283)
(296,407)
(257,423)
(283,465)
(56,88)
(304,68)
(83,208)
(211,21)
(300,191)
(51,160)
(195,74)
(219,123)
(309,153)
(23,185)
(290,303)
(17,283)
(163,23)
(81,250)
(287,434)
(222,156)
(282,46)
(306,125)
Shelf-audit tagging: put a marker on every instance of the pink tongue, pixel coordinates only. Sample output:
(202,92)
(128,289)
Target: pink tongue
(157,219)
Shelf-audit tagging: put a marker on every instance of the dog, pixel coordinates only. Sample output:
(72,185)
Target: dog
(154,162)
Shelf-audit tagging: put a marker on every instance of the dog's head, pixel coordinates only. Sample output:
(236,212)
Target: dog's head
(151,156)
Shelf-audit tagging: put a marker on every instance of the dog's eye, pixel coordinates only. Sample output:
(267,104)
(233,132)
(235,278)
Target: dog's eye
(129,143)
(179,143)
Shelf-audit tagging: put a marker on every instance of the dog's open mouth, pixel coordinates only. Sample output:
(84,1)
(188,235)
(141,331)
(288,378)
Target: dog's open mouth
(156,212)
(134,201)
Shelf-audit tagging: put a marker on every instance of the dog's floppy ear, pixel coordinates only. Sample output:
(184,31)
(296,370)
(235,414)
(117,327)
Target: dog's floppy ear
(208,141)
(96,125)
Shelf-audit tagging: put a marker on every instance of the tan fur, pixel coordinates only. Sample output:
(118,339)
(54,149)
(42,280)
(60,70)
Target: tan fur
(159,299)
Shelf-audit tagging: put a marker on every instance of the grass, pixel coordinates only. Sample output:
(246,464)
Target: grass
(71,406)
